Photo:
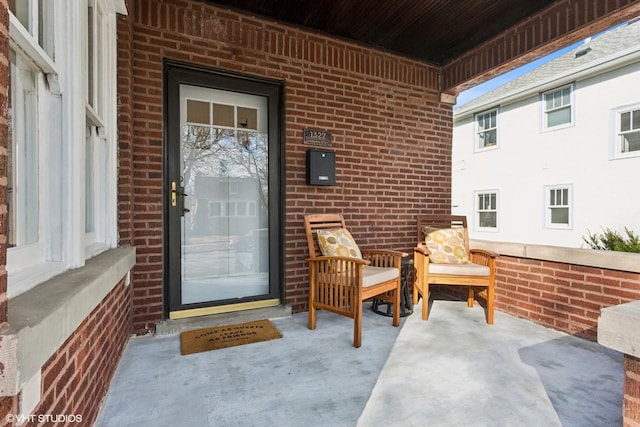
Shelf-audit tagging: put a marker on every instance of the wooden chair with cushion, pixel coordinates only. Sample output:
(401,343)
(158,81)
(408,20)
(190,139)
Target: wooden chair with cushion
(341,276)
(443,257)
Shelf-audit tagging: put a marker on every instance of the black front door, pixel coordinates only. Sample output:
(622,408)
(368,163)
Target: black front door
(222,192)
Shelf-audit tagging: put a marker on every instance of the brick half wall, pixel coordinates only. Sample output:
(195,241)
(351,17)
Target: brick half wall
(77,376)
(562,288)
(561,296)
(631,404)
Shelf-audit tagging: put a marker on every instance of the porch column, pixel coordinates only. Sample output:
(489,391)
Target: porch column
(619,329)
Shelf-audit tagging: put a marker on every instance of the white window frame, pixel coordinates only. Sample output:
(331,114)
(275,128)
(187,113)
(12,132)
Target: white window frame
(479,131)
(35,261)
(616,133)
(568,204)
(479,209)
(60,127)
(545,111)
(95,152)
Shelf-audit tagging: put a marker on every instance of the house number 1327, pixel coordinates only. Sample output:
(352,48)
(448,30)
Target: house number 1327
(317,137)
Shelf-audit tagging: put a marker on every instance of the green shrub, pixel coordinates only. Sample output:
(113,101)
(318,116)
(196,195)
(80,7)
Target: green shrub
(613,241)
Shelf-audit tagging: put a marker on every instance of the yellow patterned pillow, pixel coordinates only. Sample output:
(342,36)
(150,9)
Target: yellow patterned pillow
(338,242)
(447,246)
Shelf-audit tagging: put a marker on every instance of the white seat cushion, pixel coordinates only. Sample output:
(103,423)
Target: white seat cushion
(468,269)
(374,275)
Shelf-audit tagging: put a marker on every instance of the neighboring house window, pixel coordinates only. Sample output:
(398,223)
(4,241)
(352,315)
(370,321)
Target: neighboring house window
(559,206)
(628,131)
(234,188)
(215,209)
(557,107)
(487,129)
(487,210)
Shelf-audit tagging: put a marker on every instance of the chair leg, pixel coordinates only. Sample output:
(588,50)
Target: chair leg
(357,326)
(490,298)
(312,317)
(470,297)
(425,302)
(396,306)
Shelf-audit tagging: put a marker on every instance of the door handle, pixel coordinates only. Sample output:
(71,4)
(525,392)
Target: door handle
(175,192)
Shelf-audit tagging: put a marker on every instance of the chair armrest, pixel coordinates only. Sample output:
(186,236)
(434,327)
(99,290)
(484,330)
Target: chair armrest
(339,258)
(383,258)
(483,257)
(485,252)
(422,250)
(384,252)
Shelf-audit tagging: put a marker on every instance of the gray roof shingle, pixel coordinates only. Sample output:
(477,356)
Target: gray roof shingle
(607,46)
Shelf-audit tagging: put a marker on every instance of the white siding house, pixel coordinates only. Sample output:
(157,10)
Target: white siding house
(556,152)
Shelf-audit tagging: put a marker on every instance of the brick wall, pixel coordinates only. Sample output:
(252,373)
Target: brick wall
(561,296)
(125,129)
(631,403)
(390,132)
(76,378)
(4,86)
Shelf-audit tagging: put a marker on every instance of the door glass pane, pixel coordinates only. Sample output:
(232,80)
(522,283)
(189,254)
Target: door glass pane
(224,171)
(247,118)
(198,112)
(223,115)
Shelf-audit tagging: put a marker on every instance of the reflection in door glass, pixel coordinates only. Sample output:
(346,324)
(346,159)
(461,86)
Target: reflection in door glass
(224,174)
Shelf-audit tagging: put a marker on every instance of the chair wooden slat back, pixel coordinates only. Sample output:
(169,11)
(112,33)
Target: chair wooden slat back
(313,223)
(443,221)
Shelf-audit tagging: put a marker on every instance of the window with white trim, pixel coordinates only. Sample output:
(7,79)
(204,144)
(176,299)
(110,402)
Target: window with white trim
(487,129)
(557,107)
(23,207)
(558,201)
(30,95)
(61,190)
(486,203)
(627,133)
(95,149)
(36,18)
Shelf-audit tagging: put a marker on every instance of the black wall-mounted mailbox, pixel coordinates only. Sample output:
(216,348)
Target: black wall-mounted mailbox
(321,167)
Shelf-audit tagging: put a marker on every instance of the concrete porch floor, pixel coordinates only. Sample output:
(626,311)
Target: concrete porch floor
(454,370)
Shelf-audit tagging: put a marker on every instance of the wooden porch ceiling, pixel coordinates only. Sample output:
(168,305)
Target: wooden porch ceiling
(435,31)
(472,40)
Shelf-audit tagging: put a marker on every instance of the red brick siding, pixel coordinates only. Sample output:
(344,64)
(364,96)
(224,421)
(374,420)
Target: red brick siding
(561,296)
(391,134)
(631,403)
(76,378)
(4,87)
(561,24)
(125,129)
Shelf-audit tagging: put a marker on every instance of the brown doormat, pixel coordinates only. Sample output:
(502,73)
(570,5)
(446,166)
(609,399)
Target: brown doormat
(207,339)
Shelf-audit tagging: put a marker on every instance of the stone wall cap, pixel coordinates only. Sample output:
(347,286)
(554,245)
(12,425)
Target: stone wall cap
(619,328)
